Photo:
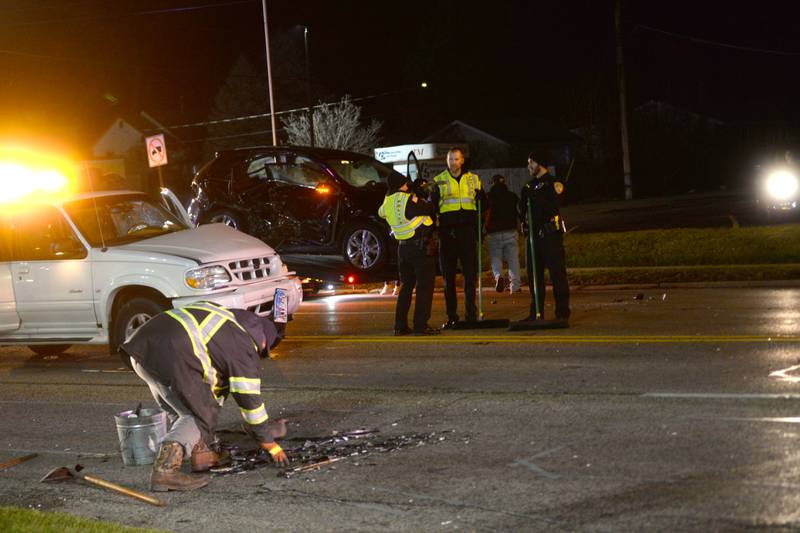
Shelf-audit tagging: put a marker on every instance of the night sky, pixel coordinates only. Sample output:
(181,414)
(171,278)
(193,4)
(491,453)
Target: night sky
(487,60)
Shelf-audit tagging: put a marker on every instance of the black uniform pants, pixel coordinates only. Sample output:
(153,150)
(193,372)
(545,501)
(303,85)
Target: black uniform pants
(416,269)
(550,255)
(459,243)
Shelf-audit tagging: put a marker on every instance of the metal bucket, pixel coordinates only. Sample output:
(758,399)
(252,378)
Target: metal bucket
(140,436)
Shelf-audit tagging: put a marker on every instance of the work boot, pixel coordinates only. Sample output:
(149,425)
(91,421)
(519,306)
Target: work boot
(167,475)
(203,458)
(500,284)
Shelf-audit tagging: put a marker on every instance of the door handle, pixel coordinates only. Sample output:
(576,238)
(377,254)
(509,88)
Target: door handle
(24,268)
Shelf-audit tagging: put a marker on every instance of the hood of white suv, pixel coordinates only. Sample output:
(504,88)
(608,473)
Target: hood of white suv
(209,243)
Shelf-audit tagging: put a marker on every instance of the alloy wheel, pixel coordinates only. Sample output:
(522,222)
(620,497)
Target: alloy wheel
(138,320)
(363,249)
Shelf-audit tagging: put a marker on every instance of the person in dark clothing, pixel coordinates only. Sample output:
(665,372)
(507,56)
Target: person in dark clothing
(502,224)
(542,193)
(456,196)
(409,216)
(192,358)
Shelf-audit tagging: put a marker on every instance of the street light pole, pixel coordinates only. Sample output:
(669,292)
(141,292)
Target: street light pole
(269,77)
(308,88)
(623,105)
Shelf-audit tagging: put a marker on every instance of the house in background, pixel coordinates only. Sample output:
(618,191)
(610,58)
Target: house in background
(116,162)
(492,147)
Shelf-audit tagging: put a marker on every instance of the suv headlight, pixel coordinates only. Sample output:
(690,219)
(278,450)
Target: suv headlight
(782,185)
(208,277)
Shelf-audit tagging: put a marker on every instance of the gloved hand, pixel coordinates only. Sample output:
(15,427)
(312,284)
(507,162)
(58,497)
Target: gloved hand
(279,457)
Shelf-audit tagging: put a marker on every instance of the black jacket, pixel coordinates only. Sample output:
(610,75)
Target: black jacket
(162,346)
(501,212)
(544,199)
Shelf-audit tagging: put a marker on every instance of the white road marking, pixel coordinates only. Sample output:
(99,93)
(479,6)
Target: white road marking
(783,374)
(722,396)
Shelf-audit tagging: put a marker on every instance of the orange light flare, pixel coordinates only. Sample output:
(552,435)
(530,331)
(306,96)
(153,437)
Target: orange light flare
(322,188)
(28,175)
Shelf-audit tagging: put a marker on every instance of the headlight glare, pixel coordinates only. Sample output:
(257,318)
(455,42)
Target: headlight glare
(782,185)
(208,277)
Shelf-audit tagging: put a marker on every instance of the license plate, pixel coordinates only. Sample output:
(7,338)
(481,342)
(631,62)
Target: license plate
(280,307)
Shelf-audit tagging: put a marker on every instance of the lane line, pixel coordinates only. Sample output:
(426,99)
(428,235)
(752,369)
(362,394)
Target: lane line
(722,395)
(783,374)
(543,339)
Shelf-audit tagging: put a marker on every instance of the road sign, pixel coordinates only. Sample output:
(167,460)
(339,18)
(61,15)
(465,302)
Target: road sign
(156,150)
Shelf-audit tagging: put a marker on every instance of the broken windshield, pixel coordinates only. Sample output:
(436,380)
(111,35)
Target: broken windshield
(122,218)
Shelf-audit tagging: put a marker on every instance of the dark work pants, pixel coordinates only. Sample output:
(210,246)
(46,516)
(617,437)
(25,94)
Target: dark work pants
(550,255)
(459,243)
(416,269)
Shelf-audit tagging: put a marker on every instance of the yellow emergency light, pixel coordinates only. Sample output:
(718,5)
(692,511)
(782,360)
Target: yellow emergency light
(27,174)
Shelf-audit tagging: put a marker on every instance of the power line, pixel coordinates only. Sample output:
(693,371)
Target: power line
(277,113)
(122,15)
(720,44)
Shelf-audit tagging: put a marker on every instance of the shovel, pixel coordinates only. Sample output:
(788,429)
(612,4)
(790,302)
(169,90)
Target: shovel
(481,323)
(539,322)
(63,473)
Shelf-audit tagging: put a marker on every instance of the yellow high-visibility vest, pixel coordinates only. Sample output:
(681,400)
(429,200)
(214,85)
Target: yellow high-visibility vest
(393,210)
(457,194)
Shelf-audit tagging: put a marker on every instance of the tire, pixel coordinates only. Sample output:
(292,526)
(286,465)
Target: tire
(129,318)
(364,247)
(49,349)
(227,217)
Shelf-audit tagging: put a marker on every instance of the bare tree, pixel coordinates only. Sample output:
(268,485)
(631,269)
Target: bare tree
(336,126)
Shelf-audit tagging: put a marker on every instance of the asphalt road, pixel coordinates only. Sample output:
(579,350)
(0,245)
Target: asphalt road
(660,413)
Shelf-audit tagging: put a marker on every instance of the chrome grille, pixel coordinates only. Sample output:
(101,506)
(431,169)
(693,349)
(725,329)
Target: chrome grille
(250,269)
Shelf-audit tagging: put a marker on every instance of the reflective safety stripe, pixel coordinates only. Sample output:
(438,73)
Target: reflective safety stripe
(457,194)
(393,210)
(218,310)
(254,416)
(196,335)
(275,450)
(245,385)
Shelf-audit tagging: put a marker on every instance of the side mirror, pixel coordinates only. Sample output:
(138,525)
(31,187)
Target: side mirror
(412,166)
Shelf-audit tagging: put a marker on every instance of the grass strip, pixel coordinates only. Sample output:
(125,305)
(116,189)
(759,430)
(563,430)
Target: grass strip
(15,520)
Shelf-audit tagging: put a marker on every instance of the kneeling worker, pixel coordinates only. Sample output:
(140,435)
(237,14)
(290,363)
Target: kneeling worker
(410,219)
(192,358)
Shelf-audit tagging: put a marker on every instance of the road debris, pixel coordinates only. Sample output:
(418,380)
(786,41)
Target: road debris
(316,452)
(18,460)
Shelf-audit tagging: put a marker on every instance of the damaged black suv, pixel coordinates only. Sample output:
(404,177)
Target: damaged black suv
(299,200)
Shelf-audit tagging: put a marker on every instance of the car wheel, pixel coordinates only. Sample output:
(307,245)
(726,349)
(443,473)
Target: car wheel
(364,247)
(49,349)
(229,218)
(131,316)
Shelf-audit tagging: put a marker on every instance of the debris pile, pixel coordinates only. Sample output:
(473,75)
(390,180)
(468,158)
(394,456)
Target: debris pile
(316,452)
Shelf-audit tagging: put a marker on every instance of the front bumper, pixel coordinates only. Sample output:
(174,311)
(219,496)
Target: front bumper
(255,297)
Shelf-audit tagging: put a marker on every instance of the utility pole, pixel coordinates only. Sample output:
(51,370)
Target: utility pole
(308,88)
(623,105)
(269,77)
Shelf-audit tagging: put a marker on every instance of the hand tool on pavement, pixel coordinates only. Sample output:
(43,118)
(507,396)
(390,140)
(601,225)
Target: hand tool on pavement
(481,323)
(63,473)
(538,322)
(307,468)
(18,460)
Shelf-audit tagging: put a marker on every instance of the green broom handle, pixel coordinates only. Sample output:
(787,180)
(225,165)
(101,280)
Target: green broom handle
(480,265)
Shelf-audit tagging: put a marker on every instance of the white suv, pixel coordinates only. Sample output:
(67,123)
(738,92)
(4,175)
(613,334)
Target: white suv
(94,267)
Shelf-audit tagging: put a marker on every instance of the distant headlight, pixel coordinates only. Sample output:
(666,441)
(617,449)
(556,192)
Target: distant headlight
(782,185)
(208,277)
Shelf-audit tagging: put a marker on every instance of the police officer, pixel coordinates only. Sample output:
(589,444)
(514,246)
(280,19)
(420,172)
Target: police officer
(543,191)
(192,358)
(456,195)
(410,219)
